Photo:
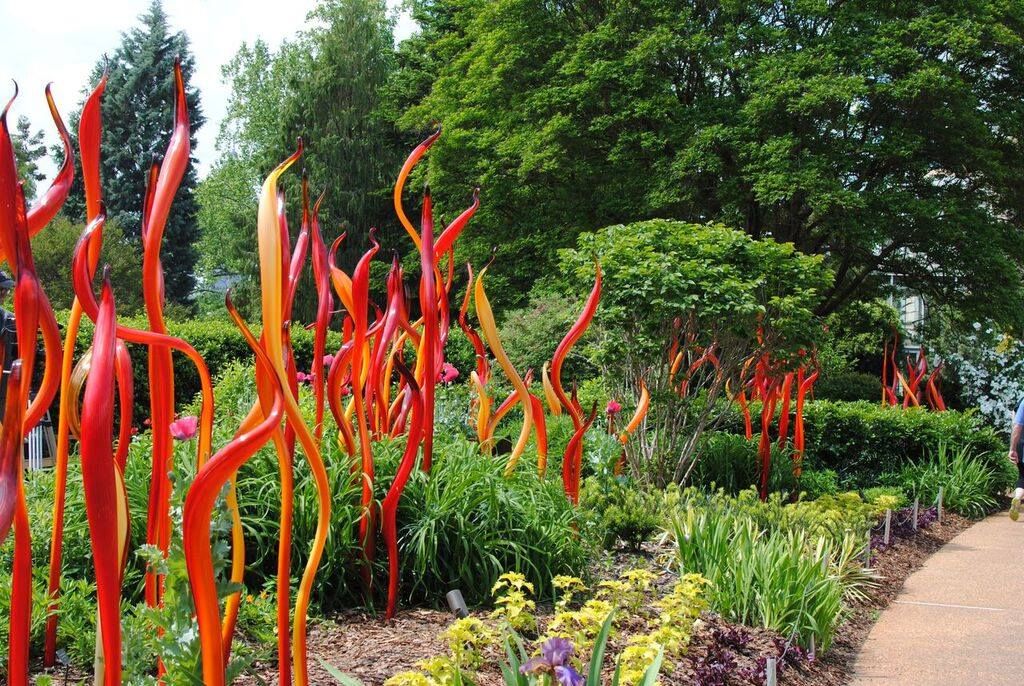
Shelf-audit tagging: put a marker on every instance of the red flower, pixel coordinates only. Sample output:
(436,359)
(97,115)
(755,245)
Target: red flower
(613,407)
(185,428)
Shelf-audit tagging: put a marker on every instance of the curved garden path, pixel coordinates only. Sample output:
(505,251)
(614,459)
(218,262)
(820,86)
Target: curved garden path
(959,620)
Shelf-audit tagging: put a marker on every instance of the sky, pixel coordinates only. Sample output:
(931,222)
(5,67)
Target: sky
(59,41)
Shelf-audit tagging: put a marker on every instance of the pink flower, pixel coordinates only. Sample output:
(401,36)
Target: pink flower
(613,407)
(303,377)
(328,360)
(346,390)
(184,428)
(448,373)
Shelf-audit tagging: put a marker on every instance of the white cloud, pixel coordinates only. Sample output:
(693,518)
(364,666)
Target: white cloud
(60,40)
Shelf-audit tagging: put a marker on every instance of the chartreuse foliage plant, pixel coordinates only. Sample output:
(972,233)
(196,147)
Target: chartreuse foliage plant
(570,645)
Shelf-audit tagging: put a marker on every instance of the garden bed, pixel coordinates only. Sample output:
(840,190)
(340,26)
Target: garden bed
(365,647)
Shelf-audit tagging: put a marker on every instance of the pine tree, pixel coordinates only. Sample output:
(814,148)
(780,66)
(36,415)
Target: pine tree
(138,108)
(351,147)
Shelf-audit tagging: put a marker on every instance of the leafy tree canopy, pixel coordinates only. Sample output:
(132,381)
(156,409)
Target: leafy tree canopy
(29,148)
(884,136)
(54,245)
(718,281)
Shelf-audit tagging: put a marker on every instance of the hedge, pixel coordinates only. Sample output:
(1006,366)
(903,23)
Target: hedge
(860,441)
(849,386)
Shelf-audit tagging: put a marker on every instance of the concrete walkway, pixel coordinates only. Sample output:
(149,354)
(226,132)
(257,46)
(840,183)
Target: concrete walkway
(959,620)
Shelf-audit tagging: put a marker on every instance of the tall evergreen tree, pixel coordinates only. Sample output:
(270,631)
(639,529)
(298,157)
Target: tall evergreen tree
(337,106)
(138,109)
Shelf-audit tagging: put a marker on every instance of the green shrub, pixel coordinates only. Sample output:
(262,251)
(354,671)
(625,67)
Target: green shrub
(763,577)
(730,462)
(623,513)
(216,340)
(531,334)
(848,386)
(968,482)
(815,483)
(466,524)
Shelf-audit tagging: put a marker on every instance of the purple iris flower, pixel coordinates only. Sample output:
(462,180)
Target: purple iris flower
(554,657)
(567,676)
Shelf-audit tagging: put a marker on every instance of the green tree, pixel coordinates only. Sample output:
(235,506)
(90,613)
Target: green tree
(249,144)
(53,247)
(29,148)
(886,136)
(138,108)
(352,148)
(328,85)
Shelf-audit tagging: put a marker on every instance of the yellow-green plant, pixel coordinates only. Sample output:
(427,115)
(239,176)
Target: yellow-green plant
(514,606)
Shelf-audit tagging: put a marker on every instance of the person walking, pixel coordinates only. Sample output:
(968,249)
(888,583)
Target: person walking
(1016,453)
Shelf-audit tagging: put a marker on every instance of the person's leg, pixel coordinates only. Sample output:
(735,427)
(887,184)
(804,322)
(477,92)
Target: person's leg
(1018,492)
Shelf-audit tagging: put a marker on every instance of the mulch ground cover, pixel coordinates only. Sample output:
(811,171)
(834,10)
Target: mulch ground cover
(720,653)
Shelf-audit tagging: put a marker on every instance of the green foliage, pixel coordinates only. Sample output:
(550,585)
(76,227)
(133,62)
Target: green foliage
(623,513)
(327,85)
(719,284)
(138,105)
(849,387)
(861,441)
(530,335)
(969,482)
(461,528)
(217,341)
(862,131)
(53,247)
(227,222)
(731,462)
(467,523)
(659,270)
(29,148)
(853,337)
(178,647)
(816,483)
(774,576)
(168,633)
(76,608)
